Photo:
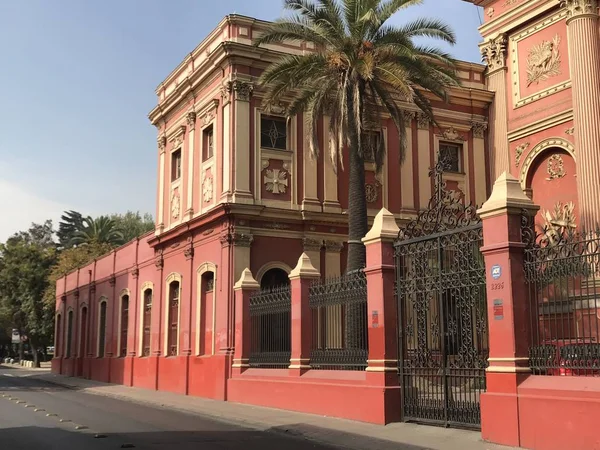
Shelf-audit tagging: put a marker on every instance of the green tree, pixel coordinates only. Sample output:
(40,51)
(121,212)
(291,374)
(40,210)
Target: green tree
(362,68)
(25,263)
(70,222)
(133,224)
(101,230)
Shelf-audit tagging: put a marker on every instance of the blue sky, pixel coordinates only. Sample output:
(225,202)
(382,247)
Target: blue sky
(78,82)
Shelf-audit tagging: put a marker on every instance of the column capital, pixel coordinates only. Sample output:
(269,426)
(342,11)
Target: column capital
(242,90)
(493,52)
(311,244)
(580,8)
(191,120)
(423,120)
(162,143)
(478,129)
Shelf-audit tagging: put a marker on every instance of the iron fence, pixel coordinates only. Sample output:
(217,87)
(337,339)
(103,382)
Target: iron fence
(339,323)
(270,317)
(562,272)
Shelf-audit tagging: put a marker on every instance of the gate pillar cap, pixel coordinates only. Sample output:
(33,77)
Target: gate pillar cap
(304,269)
(384,228)
(507,195)
(246,281)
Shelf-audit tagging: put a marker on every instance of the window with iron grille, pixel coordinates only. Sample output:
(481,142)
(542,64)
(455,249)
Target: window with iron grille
(452,154)
(273,132)
(69,333)
(102,330)
(124,324)
(146,322)
(208,144)
(173,318)
(176,165)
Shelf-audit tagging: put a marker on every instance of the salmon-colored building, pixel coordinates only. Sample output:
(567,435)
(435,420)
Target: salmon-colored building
(237,189)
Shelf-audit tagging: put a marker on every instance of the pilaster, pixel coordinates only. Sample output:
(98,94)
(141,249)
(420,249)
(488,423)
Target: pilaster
(191,124)
(423,157)
(331,201)
(494,52)
(478,130)
(333,261)
(406,169)
(243,289)
(584,49)
(160,220)
(312,248)
(241,92)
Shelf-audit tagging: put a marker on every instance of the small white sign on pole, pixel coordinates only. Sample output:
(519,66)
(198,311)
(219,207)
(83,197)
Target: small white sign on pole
(16,336)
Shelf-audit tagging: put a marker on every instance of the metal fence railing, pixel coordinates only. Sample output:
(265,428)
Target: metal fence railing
(270,344)
(339,323)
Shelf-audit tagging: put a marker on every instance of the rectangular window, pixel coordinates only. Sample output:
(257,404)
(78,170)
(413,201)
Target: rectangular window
(102,331)
(173,318)
(124,324)
(371,140)
(273,132)
(451,153)
(69,333)
(147,322)
(208,148)
(176,165)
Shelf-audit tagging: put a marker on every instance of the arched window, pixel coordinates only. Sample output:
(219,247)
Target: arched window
(274,278)
(102,329)
(146,321)
(58,336)
(124,321)
(69,333)
(172,330)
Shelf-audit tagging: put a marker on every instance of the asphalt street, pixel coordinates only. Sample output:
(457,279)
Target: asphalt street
(35,414)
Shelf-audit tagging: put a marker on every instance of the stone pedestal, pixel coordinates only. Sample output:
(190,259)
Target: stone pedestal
(243,289)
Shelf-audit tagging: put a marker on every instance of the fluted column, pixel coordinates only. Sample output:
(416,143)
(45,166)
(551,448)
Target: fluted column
(584,51)
(494,54)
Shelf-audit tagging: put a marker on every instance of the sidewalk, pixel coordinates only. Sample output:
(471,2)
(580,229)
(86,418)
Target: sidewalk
(338,432)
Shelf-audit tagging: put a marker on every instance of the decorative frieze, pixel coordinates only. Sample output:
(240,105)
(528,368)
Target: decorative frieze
(312,244)
(493,52)
(543,61)
(577,8)
(423,120)
(478,129)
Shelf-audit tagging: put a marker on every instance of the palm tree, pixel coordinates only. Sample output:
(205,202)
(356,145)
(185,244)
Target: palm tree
(362,68)
(101,230)
(70,222)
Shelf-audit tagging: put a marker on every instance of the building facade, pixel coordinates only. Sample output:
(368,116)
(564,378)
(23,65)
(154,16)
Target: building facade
(238,189)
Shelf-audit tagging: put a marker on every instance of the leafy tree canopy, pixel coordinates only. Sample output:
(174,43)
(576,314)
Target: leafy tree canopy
(133,224)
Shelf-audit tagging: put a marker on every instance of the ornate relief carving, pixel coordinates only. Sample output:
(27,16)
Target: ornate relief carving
(242,239)
(494,52)
(556,167)
(175,205)
(333,246)
(479,129)
(490,12)
(242,89)
(225,92)
(543,61)
(189,251)
(162,143)
(159,262)
(570,131)
(519,152)
(208,117)
(135,272)
(561,219)
(371,192)
(276,181)
(207,188)
(408,117)
(276,109)
(579,7)
(451,134)
(423,121)
(312,244)
(112,280)
(191,120)
(276,225)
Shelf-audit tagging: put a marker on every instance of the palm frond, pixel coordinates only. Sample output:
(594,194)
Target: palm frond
(294,29)
(432,28)
(388,8)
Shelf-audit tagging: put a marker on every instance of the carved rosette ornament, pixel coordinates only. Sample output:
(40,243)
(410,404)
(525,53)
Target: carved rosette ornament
(577,8)
(493,52)
(276,181)
(556,167)
(479,129)
(543,61)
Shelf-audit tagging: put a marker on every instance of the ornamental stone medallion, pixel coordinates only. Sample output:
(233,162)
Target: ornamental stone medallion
(371,193)
(276,181)
(543,61)
(556,167)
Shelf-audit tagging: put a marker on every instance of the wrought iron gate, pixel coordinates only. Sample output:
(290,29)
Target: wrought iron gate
(443,335)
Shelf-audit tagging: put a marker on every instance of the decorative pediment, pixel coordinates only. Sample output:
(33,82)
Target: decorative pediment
(451,134)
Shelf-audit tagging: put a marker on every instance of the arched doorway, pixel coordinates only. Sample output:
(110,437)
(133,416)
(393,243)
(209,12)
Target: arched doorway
(274,278)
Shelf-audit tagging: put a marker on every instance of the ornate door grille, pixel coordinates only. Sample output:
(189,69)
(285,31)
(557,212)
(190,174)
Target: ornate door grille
(443,335)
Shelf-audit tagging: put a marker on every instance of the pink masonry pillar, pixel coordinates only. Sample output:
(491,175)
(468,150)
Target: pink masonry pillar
(382,312)
(243,289)
(508,317)
(303,275)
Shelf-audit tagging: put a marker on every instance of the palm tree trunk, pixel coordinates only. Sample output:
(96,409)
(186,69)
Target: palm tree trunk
(357,203)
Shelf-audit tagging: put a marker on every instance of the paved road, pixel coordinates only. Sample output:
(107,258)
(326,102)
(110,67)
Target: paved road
(37,415)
